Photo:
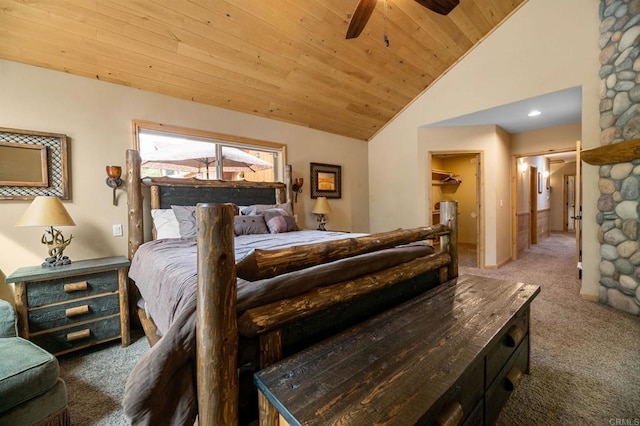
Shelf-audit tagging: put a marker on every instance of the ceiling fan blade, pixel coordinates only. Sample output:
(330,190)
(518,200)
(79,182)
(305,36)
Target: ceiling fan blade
(360,16)
(443,7)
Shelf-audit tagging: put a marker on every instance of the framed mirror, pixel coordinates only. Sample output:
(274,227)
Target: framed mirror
(32,163)
(23,165)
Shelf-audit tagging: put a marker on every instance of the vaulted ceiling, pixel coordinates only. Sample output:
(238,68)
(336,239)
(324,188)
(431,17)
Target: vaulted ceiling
(283,59)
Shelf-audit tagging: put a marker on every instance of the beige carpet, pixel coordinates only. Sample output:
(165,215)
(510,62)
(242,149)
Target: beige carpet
(585,366)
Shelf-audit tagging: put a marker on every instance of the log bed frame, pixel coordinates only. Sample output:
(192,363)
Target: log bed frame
(218,324)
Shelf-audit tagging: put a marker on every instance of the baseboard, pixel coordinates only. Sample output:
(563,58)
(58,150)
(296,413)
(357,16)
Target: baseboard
(590,297)
(499,265)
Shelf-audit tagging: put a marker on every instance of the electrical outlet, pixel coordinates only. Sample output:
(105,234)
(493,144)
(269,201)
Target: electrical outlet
(117,230)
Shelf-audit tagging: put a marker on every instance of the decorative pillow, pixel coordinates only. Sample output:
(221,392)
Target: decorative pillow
(259,208)
(248,225)
(279,221)
(165,223)
(186,216)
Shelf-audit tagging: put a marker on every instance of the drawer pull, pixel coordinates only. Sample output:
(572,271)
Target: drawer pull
(514,336)
(450,415)
(77,335)
(70,288)
(513,379)
(78,310)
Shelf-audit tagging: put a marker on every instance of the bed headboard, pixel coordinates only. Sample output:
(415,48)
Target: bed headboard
(166,192)
(189,192)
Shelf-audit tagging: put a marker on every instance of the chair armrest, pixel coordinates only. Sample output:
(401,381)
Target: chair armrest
(8,323)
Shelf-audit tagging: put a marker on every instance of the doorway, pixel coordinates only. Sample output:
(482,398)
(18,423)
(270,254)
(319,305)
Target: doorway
(455,176)
(546,194)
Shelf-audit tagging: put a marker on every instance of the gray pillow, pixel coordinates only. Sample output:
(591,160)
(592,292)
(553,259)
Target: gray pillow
(259,208)
(248,225)
(279,221)
(186,216)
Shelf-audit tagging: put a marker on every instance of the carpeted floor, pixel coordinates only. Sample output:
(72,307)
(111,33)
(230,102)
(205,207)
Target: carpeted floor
(585,357)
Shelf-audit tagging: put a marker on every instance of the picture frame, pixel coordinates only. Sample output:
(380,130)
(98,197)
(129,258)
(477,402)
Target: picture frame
(326,180)
(43,164)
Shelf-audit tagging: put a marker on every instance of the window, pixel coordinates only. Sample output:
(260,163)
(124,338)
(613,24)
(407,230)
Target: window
(187,153)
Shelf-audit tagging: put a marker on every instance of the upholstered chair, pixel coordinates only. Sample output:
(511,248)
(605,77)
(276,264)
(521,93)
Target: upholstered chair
(31,391)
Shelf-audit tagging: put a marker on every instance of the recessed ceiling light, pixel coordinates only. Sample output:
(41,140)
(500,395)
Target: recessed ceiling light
(534,113)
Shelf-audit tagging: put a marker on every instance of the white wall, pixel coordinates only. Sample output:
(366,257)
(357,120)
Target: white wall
(558,172)
(97,117)
(546,46)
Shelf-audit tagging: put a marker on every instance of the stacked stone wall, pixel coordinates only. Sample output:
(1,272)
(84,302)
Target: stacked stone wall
(619,184)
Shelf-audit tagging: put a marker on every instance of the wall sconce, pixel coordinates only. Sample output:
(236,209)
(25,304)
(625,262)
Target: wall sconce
(113,180)
(522,167)
(297,188)
(321,208)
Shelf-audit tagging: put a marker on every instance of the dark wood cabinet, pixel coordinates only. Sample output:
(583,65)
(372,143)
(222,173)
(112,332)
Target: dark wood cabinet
(450,356)
(66,308)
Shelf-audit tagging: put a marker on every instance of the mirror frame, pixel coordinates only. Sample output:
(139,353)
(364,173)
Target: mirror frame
(54,166)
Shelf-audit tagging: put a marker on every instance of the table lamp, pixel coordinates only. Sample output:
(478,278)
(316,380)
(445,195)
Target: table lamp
(49,211)
(321,208)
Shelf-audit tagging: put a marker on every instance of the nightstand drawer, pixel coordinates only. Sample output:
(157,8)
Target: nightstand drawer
(68,339)
(69,288)
(54,316)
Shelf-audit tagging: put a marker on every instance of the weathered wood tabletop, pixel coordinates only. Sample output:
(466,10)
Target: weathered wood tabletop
(392,368)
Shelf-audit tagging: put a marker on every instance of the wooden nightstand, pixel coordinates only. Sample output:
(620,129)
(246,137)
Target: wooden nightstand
(70,307)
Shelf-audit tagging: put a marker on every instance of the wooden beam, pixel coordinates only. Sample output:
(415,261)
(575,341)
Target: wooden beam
(134,202)
(261,264)
(449,218)
(274,315)
(216,327)
(620,152)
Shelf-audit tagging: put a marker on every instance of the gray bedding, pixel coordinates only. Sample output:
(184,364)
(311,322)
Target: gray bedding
(160,390)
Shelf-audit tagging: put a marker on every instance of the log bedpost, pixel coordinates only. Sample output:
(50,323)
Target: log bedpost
(216,326)
(134,202)
(286,197)
(449,217)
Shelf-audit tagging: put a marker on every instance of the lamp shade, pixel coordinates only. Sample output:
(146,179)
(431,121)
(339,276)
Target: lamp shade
(45,211)
(321,206)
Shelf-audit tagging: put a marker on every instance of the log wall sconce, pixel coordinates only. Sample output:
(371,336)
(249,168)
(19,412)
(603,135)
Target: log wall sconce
(113,180)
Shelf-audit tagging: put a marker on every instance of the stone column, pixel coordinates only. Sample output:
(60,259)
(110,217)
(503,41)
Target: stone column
(619,185)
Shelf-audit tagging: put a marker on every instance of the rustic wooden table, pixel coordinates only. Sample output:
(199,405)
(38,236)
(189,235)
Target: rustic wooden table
(454,353)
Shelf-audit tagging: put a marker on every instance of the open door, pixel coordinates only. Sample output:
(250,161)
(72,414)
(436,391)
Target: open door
(578,211)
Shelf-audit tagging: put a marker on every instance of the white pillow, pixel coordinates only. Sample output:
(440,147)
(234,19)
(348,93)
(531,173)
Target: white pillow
(165,223)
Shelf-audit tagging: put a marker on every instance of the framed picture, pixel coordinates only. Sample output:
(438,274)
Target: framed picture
(326,180)
(32,163)
(540,183)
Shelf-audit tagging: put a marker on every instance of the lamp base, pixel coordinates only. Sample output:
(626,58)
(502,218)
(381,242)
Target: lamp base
(322,221)
(53,261)
(55,242)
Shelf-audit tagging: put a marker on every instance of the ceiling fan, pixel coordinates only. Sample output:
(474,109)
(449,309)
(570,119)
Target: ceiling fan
(364,9)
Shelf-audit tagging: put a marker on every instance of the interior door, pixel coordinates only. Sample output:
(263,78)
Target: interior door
(578,210)
(533,205)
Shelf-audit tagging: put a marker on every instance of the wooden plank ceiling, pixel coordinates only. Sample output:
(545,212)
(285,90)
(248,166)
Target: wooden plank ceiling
(283,59)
